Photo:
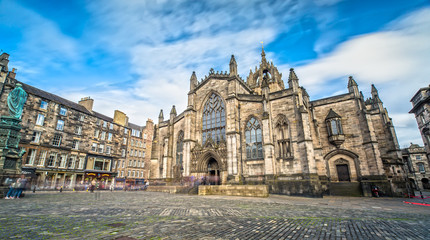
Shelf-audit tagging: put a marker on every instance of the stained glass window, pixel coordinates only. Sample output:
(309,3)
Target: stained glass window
(254,145)
(213,119)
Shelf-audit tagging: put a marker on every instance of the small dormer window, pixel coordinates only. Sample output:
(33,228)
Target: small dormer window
(334,128)
(44,105)
(63,111)
(334,124)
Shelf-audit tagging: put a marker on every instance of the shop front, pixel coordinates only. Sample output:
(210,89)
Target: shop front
(135,183)
(119,183)
(99,179)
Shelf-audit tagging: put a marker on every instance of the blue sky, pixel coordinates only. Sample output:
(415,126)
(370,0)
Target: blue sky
(138,56)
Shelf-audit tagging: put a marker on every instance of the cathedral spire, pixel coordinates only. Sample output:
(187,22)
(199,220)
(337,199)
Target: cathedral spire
(233,66)
(353,87)
(374,91)
(193,81)
(293,80)
(263,55)
(160,116)
(351,82)
(173,112)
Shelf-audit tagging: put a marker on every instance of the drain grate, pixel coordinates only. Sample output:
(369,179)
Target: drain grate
(116,224)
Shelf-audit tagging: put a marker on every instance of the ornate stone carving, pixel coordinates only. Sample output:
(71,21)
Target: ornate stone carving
(200,155)
(341,161)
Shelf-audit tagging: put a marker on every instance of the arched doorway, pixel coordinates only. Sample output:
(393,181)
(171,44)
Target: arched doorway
(213,174)
(343,173)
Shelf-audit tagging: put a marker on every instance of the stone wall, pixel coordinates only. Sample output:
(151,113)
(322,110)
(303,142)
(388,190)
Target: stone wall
(235,190)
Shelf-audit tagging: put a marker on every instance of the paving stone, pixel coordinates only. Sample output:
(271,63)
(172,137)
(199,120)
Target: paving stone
(156,215)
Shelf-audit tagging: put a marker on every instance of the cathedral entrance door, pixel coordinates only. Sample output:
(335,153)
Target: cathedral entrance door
(343,173)
(213,172)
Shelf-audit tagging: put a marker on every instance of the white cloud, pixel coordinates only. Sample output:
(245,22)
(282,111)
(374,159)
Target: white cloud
(395,60)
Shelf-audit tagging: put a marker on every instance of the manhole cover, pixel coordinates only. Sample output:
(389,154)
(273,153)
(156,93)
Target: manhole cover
(116,224)
(125,238)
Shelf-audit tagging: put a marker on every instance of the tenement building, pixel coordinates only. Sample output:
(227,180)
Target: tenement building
(421,110)
(69,144)
(418,169)
(260,131)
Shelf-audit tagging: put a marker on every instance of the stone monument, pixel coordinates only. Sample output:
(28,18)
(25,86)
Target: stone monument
(10,155)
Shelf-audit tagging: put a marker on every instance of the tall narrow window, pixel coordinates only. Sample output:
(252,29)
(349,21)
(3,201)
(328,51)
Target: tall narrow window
(60,125)
(78,130)
(254,145)
(42,158)
(36,137)
(283,138)
(103,136)
(81,162)
(31,156)
(71,162)
(63,159)
(52,159)
(179,148)
(40,119)
(75,144)
(213,125)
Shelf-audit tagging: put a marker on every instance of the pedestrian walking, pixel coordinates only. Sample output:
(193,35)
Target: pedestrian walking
(146,185)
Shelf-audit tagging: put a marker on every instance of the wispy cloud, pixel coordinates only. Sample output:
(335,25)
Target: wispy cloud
(138,56)
(395,60)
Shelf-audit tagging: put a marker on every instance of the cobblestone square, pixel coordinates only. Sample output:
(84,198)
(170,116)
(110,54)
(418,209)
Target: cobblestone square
(152,215)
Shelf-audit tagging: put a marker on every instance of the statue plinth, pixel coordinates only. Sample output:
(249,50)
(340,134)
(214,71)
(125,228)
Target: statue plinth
(10,156)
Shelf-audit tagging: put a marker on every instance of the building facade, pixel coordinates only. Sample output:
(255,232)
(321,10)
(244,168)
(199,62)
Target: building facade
(260,132)
(418,171)
(68,144)
(421,109)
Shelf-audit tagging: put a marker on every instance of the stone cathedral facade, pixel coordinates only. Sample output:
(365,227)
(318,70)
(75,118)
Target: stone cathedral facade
(260,131)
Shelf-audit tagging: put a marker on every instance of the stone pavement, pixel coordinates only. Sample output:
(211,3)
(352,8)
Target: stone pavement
(154,215)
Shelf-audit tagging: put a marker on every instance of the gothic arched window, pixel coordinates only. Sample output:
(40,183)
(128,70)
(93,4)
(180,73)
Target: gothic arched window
(179,148)
(213,119)
(283,138)
(254,145)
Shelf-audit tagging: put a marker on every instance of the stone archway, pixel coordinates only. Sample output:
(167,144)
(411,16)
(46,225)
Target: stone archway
(213,172)
(209,166)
